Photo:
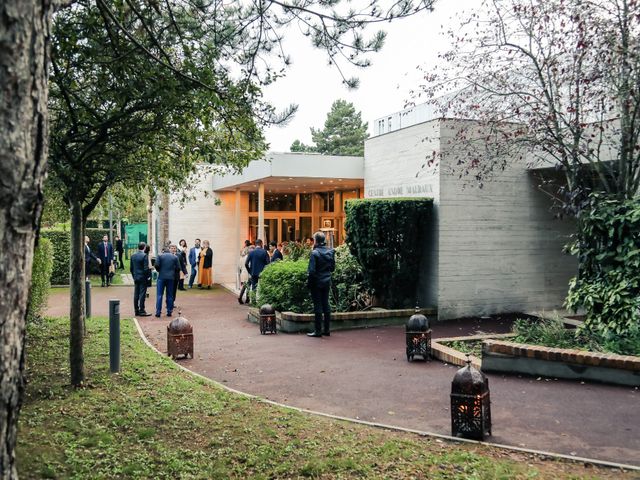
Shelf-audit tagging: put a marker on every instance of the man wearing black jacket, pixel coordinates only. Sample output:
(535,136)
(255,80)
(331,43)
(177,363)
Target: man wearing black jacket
(141,273)
(321,264)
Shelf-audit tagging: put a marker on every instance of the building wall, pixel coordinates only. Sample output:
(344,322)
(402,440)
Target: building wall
(500,247)
(202,218)
(396,166)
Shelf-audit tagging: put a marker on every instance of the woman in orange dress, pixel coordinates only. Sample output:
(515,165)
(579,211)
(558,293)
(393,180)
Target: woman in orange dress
(205,266)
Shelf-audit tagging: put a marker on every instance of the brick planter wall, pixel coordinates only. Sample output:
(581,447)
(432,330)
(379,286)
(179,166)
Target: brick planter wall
(303,322)
(504,356)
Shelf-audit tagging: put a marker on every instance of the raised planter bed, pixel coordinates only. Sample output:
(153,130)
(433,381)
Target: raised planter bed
(289,322)
(511,357)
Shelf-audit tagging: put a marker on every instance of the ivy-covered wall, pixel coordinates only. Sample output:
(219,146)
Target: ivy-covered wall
(388,236)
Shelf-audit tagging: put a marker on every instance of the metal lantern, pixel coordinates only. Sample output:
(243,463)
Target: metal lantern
(267,319)
(179,337)
(470,404)
(418,336)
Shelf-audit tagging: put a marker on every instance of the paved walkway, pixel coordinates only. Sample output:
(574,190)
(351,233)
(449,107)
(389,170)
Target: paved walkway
(364,374)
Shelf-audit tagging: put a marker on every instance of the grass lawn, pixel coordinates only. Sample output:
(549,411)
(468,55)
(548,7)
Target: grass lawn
(155,421)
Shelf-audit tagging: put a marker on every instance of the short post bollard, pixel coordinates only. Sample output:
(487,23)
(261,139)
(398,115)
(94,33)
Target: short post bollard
(114,335)
(87,298)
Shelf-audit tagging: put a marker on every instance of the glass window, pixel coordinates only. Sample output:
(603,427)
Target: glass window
(288,228)
(274,202)
(305,228)
(305,202)
(253,202)
(327,201)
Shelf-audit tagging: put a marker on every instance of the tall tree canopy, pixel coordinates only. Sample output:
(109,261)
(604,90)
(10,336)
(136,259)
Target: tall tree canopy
(343,132)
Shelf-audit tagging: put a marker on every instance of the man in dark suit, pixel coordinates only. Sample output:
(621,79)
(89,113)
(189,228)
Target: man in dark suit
(255,263)
(120,250)
(105,255)
(167,266)
(88,256)
(141,272)
(321,264)
(183,268)
(275,252)
(193,261)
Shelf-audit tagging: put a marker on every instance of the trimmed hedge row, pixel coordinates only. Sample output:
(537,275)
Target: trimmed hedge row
(40,278)
(387,237)
(61,243)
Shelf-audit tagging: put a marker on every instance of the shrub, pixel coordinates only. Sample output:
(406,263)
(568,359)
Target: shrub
(296,251)
(349,291)
(40,278)
(283,285)
(60,244)
(387,238)
(608,282)
(553,333)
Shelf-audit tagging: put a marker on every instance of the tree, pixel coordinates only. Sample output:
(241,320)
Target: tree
(298,146)
(556,81)
(24,42)
(23,154)
(553,81)
(343,133)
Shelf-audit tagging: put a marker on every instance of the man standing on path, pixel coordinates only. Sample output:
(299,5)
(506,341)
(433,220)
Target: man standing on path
(120,250)
(193,261)
(167,266)
(105,255)
(141,272)
(182,268)
(321,263)
(255,263)
(88,255)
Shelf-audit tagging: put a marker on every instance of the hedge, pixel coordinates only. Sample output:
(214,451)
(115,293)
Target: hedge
(387,237)
(61,241)
(40,278)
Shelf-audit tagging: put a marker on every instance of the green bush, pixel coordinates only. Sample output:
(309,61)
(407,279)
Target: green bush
(387,237)
(40,278)
(61,241)
(551,332)
(349,291)
(296,251)
(283,285)
(608,282)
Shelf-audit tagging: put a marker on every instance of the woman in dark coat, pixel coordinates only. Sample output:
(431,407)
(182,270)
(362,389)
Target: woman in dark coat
(182,254)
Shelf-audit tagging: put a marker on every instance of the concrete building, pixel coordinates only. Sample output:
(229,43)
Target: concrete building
(495,248)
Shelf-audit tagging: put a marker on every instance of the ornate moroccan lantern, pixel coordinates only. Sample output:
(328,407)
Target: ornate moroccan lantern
(470,404)
(418,336)
(267,319)
(179,337)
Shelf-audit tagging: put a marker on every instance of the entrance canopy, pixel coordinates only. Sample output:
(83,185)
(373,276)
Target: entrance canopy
(296,172)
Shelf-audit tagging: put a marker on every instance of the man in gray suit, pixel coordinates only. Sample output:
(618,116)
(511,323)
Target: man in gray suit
(141,273)
(168,267)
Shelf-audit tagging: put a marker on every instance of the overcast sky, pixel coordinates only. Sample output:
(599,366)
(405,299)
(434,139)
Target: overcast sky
(384,86)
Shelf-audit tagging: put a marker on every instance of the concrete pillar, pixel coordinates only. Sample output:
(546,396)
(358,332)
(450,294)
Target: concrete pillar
(261,211)
(238,233)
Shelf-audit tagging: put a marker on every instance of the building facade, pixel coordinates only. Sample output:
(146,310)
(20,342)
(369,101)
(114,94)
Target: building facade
(493,248)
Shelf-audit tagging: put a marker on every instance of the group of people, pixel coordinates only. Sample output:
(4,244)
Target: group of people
(171,266)
(105,258)
(254,258)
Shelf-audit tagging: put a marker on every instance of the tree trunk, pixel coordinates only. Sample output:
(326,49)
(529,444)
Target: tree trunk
(24,39)
(77,289)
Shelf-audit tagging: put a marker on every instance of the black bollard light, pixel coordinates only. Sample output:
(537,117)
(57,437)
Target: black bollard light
(114,335)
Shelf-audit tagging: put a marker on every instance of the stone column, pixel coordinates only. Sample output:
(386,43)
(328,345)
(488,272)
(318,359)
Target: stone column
(261,211)
(238,233)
